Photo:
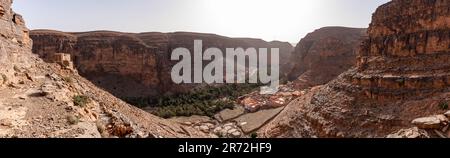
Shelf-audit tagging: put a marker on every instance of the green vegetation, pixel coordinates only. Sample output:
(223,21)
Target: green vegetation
(254,135)
(205,101)
(100,126)
(5,79)
(80,100)
(443,105)
(67,79)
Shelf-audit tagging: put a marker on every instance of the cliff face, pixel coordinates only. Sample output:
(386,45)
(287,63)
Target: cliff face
(134,65)
(406,56)
(38,99)
(14,39)
(324,54)
(121,63)
(13,25)
(402,73)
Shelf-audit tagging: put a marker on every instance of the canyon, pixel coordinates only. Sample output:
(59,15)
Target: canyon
(117,63)
(390,80)
(136,65)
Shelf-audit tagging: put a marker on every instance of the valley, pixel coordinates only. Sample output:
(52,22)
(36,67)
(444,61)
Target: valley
(391,80)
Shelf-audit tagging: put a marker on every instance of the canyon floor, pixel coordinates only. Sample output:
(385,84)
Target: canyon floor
(251,112)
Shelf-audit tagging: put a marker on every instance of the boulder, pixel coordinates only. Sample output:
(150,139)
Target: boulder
(236,134)
(432,122)
(48,89)
(444,120)
(18,20)
(229,130)
(447,114)
(204,128)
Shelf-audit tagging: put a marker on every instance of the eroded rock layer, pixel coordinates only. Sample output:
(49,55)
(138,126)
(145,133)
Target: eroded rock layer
(324,54)
(402,73)
(407,53)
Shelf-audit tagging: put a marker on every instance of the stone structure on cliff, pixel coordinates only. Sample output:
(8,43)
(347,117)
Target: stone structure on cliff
(135,65)
(324,54)
(402,73)
(41,100)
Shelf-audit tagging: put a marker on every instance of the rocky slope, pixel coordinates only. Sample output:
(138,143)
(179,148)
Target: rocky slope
(134,65)
(324,54)
(402,73)
(38,99)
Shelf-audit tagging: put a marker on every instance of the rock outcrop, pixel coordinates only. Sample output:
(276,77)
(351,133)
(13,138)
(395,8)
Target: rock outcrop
(324,54)
(135,65)
(39,99)
(426,127)
(402,73)
(14,41)
(412,133)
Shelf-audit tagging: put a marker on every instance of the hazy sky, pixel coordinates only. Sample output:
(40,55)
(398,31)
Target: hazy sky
(285,20)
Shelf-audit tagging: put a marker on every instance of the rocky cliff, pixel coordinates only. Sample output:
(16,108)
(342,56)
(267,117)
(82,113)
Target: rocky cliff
(402,73)
(134,65)
(324,54)
(14,39)
(44,100)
